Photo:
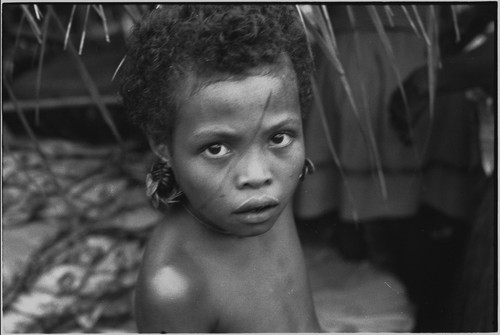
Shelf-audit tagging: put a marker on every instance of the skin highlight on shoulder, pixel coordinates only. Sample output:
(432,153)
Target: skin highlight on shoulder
(172,300)
(177,283)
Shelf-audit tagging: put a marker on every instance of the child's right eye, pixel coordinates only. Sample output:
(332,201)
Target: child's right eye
(216,151)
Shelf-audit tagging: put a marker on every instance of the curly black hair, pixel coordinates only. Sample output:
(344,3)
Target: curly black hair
(174,41)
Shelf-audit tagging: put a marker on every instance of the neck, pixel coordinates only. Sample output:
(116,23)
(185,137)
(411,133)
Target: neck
(283,230)
(203,221)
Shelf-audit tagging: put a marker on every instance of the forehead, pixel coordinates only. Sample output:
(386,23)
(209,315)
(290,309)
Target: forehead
(253,92)
(193,82)
(256,91)
(241,105)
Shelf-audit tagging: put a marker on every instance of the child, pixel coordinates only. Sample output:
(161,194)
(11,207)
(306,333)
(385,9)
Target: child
(220,92)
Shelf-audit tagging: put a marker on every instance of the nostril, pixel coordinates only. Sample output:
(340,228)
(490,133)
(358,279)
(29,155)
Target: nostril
(254,180)
(256,183)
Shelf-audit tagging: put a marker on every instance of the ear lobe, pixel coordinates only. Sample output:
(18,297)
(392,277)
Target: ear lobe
(160,149)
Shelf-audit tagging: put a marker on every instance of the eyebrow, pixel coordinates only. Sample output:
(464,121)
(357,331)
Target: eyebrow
(230,133)
(215,132)
(294,121)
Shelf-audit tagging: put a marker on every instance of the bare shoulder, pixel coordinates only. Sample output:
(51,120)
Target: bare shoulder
(170,300)
(171,293)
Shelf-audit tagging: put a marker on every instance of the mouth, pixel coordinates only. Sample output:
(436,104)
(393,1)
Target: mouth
(257,205)
(256,210)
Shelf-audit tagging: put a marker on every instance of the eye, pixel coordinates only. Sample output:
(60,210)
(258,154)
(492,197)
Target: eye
(216,151)
(281,140)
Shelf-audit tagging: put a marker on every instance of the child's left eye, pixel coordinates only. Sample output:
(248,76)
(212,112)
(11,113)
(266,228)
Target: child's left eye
(281,140)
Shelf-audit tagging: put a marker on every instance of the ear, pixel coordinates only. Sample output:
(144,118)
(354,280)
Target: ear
(160,149)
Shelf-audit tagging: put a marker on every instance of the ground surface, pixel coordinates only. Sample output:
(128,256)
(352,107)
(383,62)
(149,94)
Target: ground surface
(356,296)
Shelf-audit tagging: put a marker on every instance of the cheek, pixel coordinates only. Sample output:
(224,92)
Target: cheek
(292,166)
(199,183)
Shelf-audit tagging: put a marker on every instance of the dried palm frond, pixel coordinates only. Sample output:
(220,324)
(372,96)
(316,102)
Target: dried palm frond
(325,38)
(301,16)
(432,66)
(455,23)
(331,147)
(90,84)
(322,31)
(70,23)
(392,58)
(38,13)
(100,11)
(389,14)
(41,34)
(118,67)
(410,20)
(318,25)
(45,29)
(374,152)
(34,26)
(84,32)
(433,58)
(421,25)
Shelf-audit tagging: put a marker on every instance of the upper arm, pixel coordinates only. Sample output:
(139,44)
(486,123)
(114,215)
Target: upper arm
(169,300)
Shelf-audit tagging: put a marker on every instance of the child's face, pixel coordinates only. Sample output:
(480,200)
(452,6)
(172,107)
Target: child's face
(237,151)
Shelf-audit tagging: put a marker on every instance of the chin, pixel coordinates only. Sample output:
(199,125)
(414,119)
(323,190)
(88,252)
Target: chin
(256,229)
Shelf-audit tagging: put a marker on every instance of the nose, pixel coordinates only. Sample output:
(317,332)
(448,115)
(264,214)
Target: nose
(253,172)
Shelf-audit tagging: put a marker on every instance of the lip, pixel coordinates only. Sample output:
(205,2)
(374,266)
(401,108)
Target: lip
(257,210)
(256,204)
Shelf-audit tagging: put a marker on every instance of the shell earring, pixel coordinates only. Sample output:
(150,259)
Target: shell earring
(307,169)
(161,186)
